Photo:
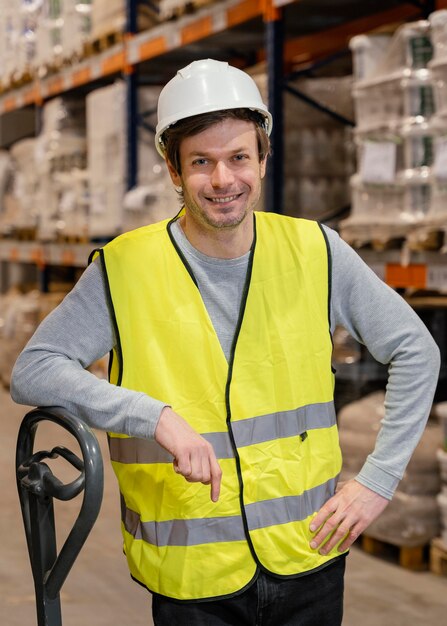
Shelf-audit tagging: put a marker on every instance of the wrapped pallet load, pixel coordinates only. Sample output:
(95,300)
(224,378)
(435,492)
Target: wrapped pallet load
(108,17)
(60,161)
(20,314)
(6,217)
(154,198)
(441,413)
(318,149)
(24,184)
(412,518)
(394,95)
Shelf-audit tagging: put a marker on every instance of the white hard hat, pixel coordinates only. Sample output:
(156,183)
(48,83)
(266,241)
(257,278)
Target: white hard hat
(205,86)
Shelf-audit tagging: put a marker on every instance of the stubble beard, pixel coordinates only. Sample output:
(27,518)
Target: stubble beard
(207,220)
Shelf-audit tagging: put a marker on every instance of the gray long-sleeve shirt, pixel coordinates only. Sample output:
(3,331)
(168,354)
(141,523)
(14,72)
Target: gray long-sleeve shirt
(50,371)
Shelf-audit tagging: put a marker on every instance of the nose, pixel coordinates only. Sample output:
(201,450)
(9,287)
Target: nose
(222,176)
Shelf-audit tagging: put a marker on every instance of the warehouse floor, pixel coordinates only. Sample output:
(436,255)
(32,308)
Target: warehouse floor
(99,591)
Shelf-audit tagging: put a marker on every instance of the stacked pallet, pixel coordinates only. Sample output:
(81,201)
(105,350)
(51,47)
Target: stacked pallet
(412,518)
(399,191)
(318,150)
(438,551)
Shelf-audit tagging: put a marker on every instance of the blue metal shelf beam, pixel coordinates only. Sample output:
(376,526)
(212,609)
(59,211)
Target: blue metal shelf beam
(274,190)
(131,79)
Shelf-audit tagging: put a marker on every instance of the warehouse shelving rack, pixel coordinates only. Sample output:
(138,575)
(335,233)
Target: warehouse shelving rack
(281,33)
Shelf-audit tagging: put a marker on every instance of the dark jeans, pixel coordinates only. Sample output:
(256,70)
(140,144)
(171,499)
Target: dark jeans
(312,600)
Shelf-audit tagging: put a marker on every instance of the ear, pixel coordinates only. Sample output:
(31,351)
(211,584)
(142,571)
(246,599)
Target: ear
(263,167)
(175,177)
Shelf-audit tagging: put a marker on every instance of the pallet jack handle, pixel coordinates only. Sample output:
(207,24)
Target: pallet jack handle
(37,487)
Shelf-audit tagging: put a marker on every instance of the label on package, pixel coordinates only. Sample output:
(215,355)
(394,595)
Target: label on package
(440,162)
(378,163)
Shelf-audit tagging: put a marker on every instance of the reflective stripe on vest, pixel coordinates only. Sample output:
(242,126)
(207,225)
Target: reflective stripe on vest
(246,432)
(180,532)
(268,413)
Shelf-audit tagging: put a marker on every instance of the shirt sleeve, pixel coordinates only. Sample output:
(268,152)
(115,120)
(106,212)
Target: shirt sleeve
(51,372)
(378,317)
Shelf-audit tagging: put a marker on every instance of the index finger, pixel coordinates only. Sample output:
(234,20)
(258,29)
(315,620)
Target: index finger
(216,477)
(323,514)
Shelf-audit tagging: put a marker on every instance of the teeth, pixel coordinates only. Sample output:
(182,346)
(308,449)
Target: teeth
(227,199)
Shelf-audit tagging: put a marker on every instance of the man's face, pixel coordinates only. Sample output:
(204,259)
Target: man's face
(221,174)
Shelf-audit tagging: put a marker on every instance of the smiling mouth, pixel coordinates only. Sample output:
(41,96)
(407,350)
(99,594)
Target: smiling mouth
(224,199)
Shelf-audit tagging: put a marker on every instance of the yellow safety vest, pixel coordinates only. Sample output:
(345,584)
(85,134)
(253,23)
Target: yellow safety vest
(268,413)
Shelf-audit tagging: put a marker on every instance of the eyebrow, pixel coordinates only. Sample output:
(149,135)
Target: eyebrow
(196,153)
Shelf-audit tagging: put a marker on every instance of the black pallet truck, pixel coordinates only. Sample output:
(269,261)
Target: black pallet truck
(37,487)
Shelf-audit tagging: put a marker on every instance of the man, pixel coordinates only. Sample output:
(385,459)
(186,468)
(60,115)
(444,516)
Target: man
(220,322)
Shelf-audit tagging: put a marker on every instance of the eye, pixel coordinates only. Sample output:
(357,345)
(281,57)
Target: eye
(240,157)
(201,161)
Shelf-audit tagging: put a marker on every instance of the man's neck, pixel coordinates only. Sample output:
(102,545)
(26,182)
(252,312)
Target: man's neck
(224,243)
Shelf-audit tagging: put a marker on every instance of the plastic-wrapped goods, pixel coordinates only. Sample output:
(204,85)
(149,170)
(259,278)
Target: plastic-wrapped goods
(20,314)
(433,201)
(28,19)
(379,104)
(410,50)
(442,504)
(418,145)
(408,521)
(397,127)
(393,100)
(5,183)
(401,86)
(49,46)
(18,23)
(9,40)
(76,26)
(346,348)
(18,319)
(318,155)
(44,55)
(368,52)
(24,186)
(61,144)
(154,183)
(60,157)
(73,201)
(359,424)
(442,458)
(106,160)
(149,203)
(406,151)
(439,72)
(412,517)
(440,411)
(417,197)
(170,8)
(109,16)
(62,28)
(377,213)
(438,27)
(106,109)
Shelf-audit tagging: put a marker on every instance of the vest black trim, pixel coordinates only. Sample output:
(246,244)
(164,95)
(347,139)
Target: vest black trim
(329,284)
(118,349)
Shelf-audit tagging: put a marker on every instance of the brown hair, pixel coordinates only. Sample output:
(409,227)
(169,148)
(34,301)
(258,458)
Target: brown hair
(194,125)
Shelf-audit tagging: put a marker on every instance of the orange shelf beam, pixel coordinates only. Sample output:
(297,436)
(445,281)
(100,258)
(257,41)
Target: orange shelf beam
(318,45)
(199,29)
(406,276)
(243,12)
(152,48)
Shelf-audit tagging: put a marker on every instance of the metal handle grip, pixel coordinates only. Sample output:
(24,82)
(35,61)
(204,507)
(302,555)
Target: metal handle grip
(37,484)
(37,477)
